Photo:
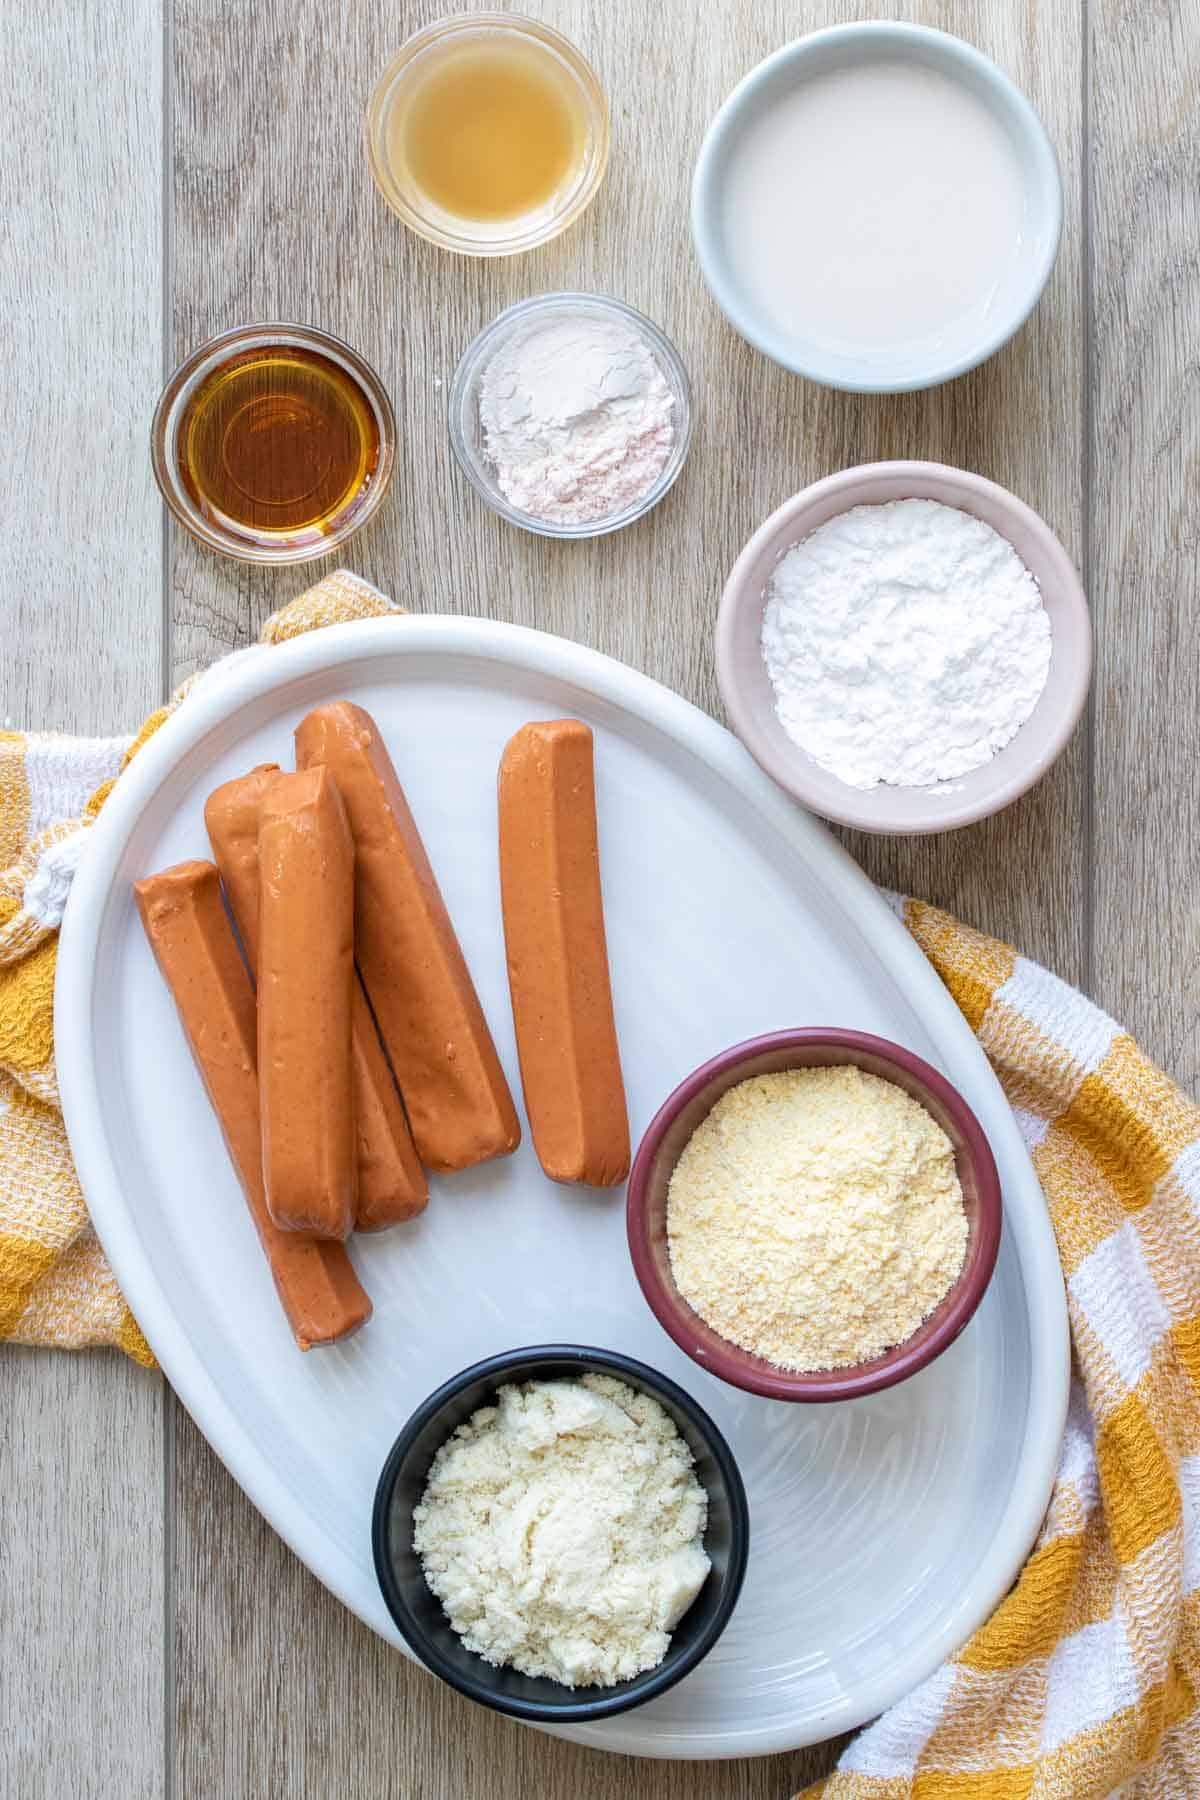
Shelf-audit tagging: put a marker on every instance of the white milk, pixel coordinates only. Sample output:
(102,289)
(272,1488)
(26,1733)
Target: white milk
(874,205)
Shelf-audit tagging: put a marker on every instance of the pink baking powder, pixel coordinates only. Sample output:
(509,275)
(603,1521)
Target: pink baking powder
(577,418)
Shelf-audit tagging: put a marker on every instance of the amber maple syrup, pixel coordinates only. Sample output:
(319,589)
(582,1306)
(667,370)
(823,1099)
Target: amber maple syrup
(278,442)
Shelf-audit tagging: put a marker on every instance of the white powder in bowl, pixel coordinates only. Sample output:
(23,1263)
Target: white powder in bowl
(577,418)
(906,643)
(815,1217)
(562,1530)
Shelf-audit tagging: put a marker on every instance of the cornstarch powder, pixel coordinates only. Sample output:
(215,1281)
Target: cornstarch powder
(906,643)
(562,1530)
(815,1218)
(577,418)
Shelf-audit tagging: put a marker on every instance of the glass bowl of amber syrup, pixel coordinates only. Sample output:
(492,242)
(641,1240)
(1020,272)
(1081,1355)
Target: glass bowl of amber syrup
(273,443)
(488,133)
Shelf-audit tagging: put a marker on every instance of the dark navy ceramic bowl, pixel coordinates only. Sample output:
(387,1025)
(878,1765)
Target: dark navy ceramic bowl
(418,1613)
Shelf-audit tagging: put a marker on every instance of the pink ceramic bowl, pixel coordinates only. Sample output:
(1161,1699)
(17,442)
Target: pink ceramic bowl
(746,688)
(694,1099)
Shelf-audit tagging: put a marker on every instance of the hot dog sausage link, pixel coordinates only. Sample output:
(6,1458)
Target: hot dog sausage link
(412,965)
(558,956)
(305,1004)
(391,1182)
(192,942)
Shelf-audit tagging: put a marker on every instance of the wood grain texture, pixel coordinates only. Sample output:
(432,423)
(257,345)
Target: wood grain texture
(279,1690)
(81,287)
(81,609)
(1145,553)
(648,594)
(81,1577)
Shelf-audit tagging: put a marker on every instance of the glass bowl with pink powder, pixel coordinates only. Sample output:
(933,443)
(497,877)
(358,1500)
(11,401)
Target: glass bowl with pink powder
(571,414)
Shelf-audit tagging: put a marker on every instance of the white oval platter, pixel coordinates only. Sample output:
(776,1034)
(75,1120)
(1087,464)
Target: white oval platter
(883,1531)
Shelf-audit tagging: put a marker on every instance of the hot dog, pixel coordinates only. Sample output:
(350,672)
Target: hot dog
(457,1099)
(391,1182)
(231,819)
(557,954)
(189,934)
(305,1004)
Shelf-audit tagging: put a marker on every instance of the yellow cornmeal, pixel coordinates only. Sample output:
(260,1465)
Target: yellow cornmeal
(815,1218)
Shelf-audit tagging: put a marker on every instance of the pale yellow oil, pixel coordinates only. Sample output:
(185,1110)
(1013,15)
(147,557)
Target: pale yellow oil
(491,131)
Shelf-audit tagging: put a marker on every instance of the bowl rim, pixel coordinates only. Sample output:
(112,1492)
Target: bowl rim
(515,25)
(740,1368)
(470,368)
(858,486)
(956,54)
(651,1682)
(181,383)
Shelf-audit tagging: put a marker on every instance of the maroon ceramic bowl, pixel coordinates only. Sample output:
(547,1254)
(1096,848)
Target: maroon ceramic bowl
(678,1118)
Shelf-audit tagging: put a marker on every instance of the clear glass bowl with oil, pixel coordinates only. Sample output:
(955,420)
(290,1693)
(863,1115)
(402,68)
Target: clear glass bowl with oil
(273,443)
(488,134)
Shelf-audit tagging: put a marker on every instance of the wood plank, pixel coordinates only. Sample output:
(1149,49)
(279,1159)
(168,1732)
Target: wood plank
(81,299)
(81,608)
(280,1689)
(81,1577)
(1145,452)
(1019,421)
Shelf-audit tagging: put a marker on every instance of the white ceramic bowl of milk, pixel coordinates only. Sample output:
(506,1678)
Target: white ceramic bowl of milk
(877,207)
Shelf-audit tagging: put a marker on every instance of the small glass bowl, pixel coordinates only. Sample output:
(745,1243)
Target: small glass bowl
(466,430)
(501,237)
(305,543)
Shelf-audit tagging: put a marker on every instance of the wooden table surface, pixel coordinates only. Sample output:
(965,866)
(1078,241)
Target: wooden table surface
(173,167)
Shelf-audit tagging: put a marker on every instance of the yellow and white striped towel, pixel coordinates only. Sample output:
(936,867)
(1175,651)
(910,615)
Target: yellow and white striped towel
(1084,1683)
(55,1285)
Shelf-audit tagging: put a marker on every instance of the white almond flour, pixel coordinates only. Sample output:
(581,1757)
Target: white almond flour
(906,643)
(577,418)
(562,1530)
(815,1217)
